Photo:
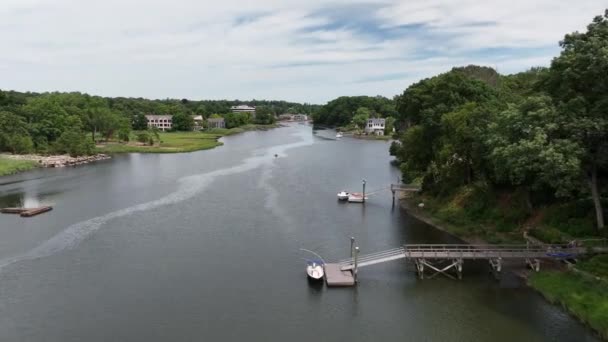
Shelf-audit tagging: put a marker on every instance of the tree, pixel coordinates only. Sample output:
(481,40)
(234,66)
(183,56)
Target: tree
(264,115)
(578,83)
(528,148)
(361,116)
(75,143)
(183,122)
(140,122)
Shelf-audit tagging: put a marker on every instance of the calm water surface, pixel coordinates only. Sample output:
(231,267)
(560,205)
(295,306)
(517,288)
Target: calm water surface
(204,246)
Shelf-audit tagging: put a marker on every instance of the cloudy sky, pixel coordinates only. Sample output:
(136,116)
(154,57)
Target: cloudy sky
(306,50)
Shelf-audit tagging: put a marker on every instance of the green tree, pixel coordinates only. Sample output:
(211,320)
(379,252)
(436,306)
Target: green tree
(183,122)
(75,143)
(140,122)
(528,148)
(578,82)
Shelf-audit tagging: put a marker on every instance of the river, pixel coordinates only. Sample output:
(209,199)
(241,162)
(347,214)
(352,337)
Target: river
(204,246)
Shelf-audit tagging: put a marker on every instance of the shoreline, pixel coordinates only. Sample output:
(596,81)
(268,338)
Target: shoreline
(18,163)
(549,294)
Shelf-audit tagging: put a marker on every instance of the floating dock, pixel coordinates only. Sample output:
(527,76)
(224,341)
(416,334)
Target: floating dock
(335,276)
(26,212)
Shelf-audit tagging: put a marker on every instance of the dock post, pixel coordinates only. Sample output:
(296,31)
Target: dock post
(356,269)
(364,191)
(352,246)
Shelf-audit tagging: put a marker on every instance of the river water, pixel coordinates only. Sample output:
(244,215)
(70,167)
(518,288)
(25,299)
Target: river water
(204,246)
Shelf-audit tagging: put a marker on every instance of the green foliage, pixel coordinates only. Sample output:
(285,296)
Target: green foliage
(10,166)
(574,218)
(74,143)
(233,120)
(264,116)
(597,265)
(340,112)
(585,298)
(183,122)
(140,122)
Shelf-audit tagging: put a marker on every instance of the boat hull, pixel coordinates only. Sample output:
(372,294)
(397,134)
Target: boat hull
(315,272)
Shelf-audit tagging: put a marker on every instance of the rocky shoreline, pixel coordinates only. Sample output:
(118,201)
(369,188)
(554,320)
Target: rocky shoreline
(57,160)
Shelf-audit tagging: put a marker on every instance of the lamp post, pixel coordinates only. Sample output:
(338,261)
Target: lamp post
(364,191)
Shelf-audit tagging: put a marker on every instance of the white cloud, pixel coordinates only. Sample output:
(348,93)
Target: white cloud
(293,50)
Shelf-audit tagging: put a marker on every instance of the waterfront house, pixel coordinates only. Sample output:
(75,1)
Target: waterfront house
(375,126)
(162,122)
(216,123)
(286,117)
(242,109)
(300,117)
(198,122)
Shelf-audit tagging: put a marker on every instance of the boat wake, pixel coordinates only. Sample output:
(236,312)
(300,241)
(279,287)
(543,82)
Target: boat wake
(188,187)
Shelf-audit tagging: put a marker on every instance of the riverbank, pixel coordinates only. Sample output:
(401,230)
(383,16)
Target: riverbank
(10,166)
(180,142)
(35,160)
(582,294)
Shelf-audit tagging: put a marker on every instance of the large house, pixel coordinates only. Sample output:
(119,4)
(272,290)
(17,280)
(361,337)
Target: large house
(300,117)
(198,122)
(162,122)
(375,126)
(243,109)
(216,123)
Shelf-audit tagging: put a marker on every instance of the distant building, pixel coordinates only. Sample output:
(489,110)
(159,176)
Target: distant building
(286,117)
(198,122)
(162,122)
(375,126)
(216,123)
(300,117)
(243,109)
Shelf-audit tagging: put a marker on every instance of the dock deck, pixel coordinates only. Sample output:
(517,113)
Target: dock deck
(335,276)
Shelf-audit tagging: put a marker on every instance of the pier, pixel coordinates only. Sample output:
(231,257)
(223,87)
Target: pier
(433,259)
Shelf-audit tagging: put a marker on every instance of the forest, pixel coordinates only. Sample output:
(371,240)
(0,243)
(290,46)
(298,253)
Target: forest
(509,151)
(72,122)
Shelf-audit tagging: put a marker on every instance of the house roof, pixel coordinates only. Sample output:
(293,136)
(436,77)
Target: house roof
(154,117)
(242,107)
(377,120)
(197,117)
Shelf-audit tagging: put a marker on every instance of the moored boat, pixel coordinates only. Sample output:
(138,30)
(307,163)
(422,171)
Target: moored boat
(315,270)
(343,195)
(339,135)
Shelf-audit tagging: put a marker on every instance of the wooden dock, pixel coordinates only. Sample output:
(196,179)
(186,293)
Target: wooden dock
(26,212)
(335,276)
(441,258)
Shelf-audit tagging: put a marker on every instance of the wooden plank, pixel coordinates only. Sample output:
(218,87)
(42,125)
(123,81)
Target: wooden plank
(35,211)
(12,210)
(334,276)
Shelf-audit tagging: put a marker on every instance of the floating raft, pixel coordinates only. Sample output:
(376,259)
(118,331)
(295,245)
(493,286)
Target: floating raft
(334,276)
(26,212)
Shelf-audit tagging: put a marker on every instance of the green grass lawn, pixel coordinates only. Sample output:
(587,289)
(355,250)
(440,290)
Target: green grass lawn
(587,299)
(173,142)
(10,166)
(177,142)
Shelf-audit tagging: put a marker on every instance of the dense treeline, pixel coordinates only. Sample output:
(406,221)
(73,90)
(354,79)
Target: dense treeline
(542,133)
(342,111)
(59,122)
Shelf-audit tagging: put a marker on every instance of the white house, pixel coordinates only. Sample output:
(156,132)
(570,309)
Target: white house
(216,123)
(198,122)
(375,126)
(162,122)
(243,109)
(300,117)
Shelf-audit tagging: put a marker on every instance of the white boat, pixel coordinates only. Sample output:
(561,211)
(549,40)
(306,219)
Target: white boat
(356,197)
(343,195)
(314,271)
(339,135)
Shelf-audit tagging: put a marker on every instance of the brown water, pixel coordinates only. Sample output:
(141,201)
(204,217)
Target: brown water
(204,246)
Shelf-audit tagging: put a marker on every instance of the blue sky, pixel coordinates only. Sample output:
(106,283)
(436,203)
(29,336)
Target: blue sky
(307,51)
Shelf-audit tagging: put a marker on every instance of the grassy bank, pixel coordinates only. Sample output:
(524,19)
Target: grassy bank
(10,166)
(477,215)
(584,298)
(177,142)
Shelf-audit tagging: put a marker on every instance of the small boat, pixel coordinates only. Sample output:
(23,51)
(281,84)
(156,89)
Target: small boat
(339,135)
(356,197)
(315,270)
(343,195)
